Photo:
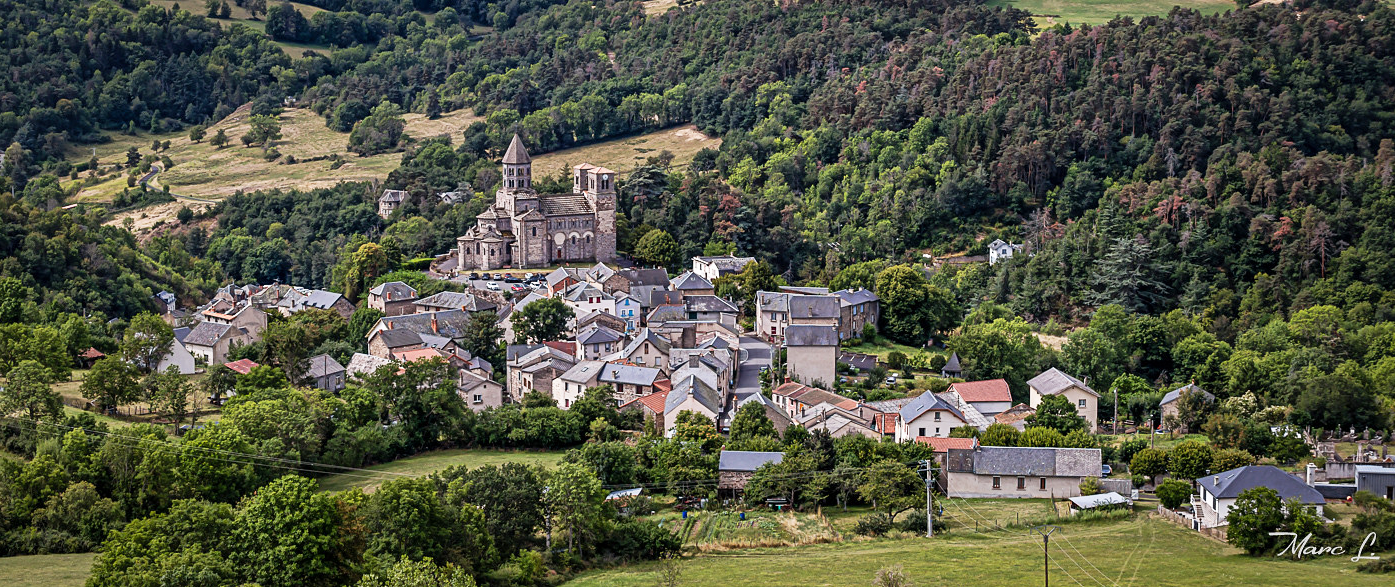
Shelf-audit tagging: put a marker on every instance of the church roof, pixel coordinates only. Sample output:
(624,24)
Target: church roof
(564,204)
(517,153)
(532,215)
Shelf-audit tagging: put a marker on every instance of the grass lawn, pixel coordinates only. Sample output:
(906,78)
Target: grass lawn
(624,154)
(435,461)
(47,570)
(883,347)
(1134,552)
(1050,12)
(1162,441)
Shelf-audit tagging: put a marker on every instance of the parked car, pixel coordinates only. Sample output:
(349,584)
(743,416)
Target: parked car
(512,279)
(891,380)
(474,275)
(492,286)
(518,288)
(1106,470)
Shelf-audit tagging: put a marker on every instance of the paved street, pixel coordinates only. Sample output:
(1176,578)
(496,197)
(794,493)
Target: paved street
(756,354)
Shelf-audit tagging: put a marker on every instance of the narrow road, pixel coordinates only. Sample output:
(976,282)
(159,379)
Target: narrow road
(755,356)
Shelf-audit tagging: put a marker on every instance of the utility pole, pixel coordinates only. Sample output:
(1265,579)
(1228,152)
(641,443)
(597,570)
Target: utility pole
(1045,531)
(1115,430)
(929,470)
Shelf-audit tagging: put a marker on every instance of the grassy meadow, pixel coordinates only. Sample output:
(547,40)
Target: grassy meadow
(45,570)
(431,462)
(1050,12)
(624,154)
(1140,551)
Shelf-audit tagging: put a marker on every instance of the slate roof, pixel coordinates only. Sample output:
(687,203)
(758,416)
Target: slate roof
(395,290)
(323,365)
(1054,381)
(514,351)
(1176,394)
(584,292)
(598,334)
(773,301)
(454,300)
(692,386)
(666,313)
(600,272)
(517,154)
(727,263)
(746,460)
(853,297)
(365,364)
(708,304)
(469,381)
(561,274)
(926,402)
(599,316)
(1229,484)
(660,343)
(992,390)
(181,333)
(811,335)
(449,323)
(1030,461)
(689,280)
(393,196)
(583,372)
(628,374)
(812,291)
(206,334)
(802,306)
(859,360)
(952,365)
(397,338)
(646,276)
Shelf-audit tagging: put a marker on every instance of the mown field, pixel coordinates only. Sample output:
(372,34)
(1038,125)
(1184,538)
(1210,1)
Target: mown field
(1141,551)
(431,462)
(624,154)
(48,570)
(1050,12)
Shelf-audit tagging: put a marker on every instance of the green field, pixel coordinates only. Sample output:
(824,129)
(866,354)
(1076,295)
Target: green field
(1051,12)
(48,570)
(435,461)
(624,154)
(1142,551)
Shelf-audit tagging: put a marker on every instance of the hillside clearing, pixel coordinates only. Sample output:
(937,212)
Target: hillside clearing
(431,462)
(1142,551)
(1050,12)
(624,154)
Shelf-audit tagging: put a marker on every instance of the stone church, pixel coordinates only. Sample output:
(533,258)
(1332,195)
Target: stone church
(525,229)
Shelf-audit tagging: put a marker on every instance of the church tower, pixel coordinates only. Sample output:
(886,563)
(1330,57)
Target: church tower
(516,195)
(598,185)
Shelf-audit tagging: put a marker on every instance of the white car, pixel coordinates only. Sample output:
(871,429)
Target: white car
(891,380)
(492,286)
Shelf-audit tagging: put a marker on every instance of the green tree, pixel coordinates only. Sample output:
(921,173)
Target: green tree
(361,322)
(196,132)
(111,383)
(1040,436)
(749,423)
(1057,413)
(1079,438)
(891,486)
(1224,431)
(147,341)
(1189,460)
(28,390)
(365,264)
(1256,512)
(657,248)
(1128,276)
(380,132)
(204,473)
(574,497)
(423,399)
(912,309)
(794,478)
(407,518)
(220,138)
(1173,493)
(509,496)
(1230,458)
(483,337)
(542,320)
(1006,349)
(424,573)
(289,534)
(219,382)
(1149,462)
(264,130)
(168,393)
(999,434)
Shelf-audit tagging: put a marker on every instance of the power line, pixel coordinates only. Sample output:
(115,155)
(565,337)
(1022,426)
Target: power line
(1087,560)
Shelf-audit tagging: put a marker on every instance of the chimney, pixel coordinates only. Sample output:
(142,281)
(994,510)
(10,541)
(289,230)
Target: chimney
(693,360)
(390,325)
(1216,481)
(1312,468)
(433,324)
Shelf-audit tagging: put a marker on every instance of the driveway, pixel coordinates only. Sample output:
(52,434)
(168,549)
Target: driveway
(755,354)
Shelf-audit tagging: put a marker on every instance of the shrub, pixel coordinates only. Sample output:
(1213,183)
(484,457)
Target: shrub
(1173,493)
(915,522)
(1090,486)
(1130,448)
(634,540)
(873,525)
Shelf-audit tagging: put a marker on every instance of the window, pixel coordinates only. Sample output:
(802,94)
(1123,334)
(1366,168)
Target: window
(1082,404)
(997,482)
(1021,483)
(937,431)
(937,416)
(535,231)
(479,399)
(922,432)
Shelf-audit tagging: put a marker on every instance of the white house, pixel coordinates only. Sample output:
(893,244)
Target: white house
(927,415)
(629,309)
(180,357)
(999,250)
(1218,492)
(585,298)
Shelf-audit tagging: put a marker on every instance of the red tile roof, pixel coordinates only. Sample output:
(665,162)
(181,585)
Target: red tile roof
(654,401)
(992,390)
(418,355)
(664,385)
(91,353)
(243,366)
(565,346)
(944,444)
(792,389)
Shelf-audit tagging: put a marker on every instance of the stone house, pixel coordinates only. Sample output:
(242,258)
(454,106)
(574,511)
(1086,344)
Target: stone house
(598,318)
(643,284)
(584,298)
(693,392)
(651,407)
(573,384)
(251,320)
(209,341)
(735,467)
(393,298)
(1169,405)
(596,341)
(447,324)
(647,349)
(628,382)
(710,309)
(856,309)
(1053,381)
(990,397)
(390,201)
(317,299)
(773,411)
(478,391)
(836,421)
(534,368)
(812,354)
(1013,471)
(452,300)
(692,284)
(776,311)
(386,343)
(326,373)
